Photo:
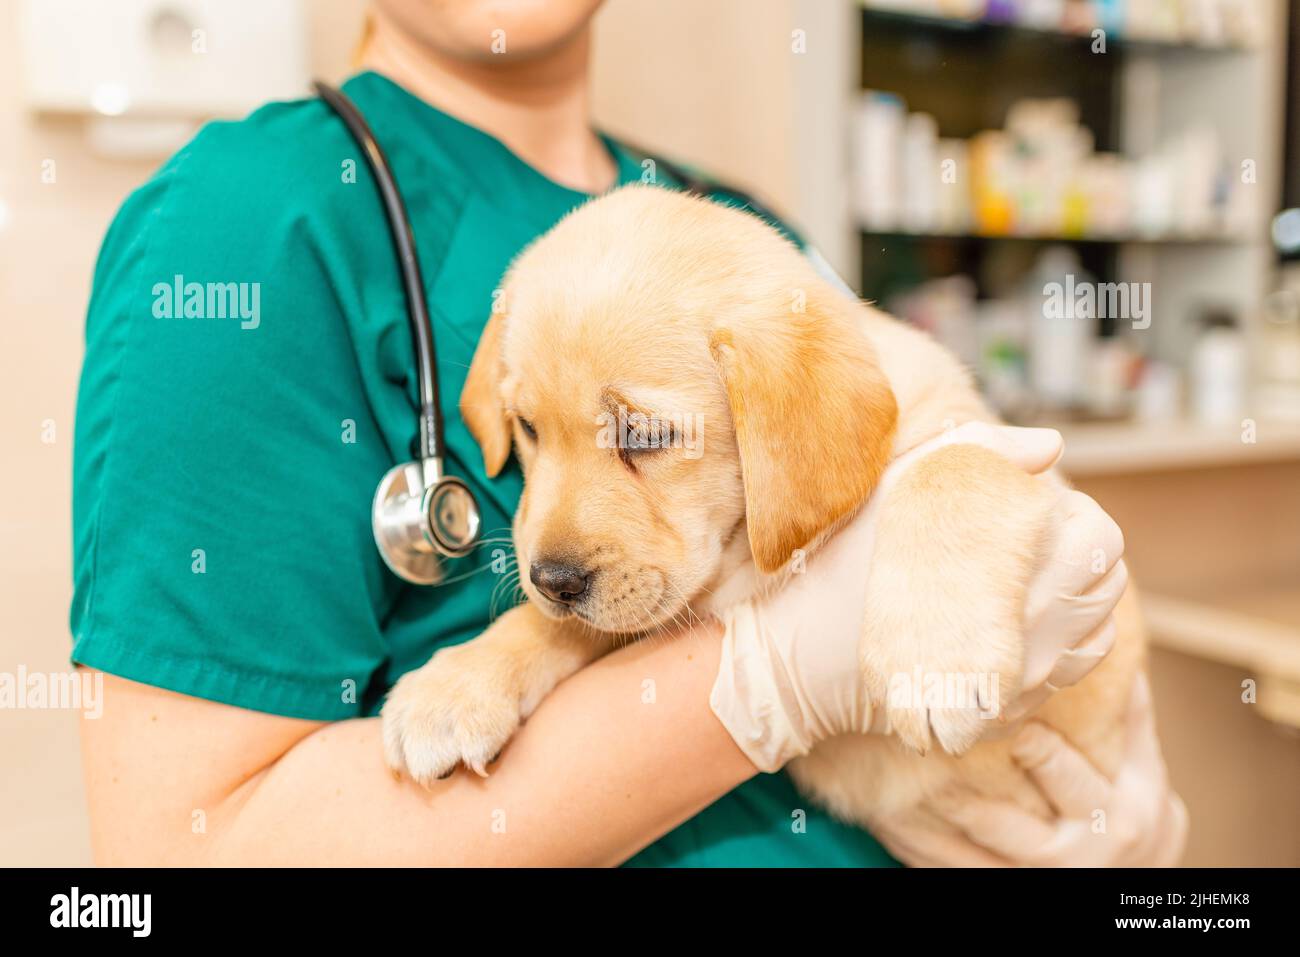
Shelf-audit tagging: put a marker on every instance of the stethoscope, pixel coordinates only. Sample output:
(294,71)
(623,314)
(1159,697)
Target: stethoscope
(420,514)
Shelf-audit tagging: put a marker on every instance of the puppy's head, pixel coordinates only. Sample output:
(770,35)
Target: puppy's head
(677,382)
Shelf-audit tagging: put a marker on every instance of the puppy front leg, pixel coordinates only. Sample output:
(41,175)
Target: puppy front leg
(468,701)
(958,541)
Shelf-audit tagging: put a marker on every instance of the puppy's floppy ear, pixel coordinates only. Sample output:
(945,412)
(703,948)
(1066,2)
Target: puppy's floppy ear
(814,418)
(480,401)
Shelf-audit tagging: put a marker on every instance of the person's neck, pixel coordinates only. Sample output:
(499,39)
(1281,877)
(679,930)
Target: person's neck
(538,108)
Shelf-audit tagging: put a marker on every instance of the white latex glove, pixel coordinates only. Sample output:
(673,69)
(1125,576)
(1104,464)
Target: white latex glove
(1134,821)
(1068,622)
(789,675)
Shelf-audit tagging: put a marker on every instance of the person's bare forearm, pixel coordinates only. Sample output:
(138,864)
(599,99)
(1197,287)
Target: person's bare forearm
(615,757)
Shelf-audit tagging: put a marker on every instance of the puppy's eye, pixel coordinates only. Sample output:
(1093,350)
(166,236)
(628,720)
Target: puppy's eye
(644,436)
(527,427)
(647,440)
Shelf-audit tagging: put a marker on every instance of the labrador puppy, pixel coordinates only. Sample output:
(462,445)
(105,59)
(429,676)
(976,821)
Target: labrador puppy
(695,409)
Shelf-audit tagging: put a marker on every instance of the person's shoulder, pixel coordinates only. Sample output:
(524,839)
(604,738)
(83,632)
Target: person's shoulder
(239,194)
(242,200)
(275,154)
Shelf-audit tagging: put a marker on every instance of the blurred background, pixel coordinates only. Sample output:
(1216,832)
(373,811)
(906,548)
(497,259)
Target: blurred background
(1096,203)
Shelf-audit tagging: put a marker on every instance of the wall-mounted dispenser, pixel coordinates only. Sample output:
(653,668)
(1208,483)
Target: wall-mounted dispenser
(146,72)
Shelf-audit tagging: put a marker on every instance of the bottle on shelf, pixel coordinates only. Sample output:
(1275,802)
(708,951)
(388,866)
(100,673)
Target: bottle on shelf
(1219,371)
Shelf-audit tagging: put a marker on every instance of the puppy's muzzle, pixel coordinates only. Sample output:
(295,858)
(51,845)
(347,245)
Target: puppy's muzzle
(562,582)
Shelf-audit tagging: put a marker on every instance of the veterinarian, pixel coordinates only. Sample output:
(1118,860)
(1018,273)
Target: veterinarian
(228,585)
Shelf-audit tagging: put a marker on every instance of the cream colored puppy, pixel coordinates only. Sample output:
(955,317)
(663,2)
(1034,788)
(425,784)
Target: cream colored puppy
(694,409)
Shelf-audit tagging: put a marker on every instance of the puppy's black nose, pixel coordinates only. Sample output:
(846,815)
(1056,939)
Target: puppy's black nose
(559,581)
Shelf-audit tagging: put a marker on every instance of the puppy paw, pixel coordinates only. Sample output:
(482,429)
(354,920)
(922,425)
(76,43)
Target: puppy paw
(948,706)
(460,708)
(962,534)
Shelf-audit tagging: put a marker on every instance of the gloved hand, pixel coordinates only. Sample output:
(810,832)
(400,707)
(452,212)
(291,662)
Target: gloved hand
(790,676)
(1134,821)
(1068,622)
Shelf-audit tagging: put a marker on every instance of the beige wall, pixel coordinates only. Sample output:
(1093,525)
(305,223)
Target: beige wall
(47,252)
(655,93)
(723,84)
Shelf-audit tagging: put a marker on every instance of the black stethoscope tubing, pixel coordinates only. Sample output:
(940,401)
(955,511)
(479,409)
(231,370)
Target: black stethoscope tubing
(430,436)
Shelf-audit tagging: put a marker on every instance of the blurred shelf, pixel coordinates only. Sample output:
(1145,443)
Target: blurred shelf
(1170,239)
(1252,626)
(959,25)
(1125,448)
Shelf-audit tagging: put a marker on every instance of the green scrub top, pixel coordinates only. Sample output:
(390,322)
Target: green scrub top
(249,377)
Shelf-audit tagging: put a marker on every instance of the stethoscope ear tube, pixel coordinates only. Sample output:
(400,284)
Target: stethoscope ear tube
(419,514)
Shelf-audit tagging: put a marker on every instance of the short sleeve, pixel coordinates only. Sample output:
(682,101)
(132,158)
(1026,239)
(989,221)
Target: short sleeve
(225,452)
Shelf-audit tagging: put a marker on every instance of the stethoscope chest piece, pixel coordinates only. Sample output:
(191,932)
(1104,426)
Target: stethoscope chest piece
(419,516)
